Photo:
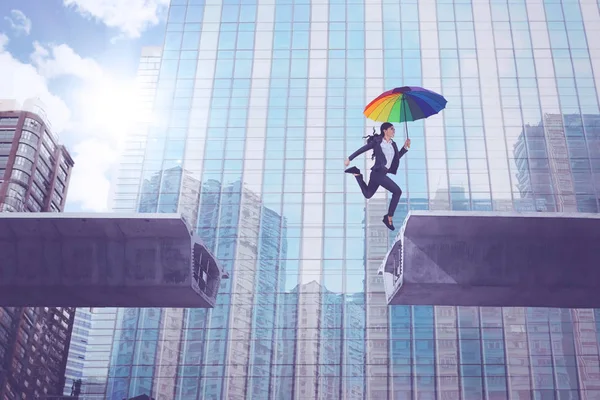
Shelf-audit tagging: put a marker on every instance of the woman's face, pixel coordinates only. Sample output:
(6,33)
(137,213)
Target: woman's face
(390,132)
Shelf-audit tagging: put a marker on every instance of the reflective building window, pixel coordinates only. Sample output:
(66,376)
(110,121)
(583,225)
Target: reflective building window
(261,101)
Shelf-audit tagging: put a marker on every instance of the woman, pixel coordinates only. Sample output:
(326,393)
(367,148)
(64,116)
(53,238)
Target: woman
(387,158)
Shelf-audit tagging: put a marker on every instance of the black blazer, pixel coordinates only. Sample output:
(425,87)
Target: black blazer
(380,161)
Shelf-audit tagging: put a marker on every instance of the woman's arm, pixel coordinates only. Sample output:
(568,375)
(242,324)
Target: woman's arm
(404,148)
(402,152)
(358,152)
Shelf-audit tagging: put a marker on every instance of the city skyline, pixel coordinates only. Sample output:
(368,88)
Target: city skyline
(239,115)
(271,95)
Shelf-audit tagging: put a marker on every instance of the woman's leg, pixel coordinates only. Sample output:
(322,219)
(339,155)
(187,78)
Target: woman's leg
(390,185)
(367,190)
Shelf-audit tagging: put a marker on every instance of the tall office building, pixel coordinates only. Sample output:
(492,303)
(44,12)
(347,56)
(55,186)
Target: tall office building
(34,176)
(164,351)
(77,349)
(271,94)
(34,167)
(97,353)
(124,189)
(123,198)
(552,172)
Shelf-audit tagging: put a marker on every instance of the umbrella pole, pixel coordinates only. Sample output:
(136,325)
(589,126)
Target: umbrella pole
(405,121)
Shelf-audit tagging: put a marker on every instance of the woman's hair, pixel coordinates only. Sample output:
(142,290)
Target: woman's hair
(382,128)
(371,136)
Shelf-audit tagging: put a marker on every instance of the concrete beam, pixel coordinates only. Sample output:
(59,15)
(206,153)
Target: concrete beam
(104,260)
(495,259)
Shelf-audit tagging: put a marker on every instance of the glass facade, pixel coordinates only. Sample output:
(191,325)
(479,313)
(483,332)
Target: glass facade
(258,102)
(77,349)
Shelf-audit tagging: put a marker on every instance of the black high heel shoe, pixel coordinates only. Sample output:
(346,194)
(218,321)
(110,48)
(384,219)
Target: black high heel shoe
(387,223)
(352,170)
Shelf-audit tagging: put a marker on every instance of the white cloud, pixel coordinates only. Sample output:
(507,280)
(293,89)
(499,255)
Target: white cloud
(19,22)
(89,185)
(25,82)
(131,17)
(3,41)
(60,60)
(94,151)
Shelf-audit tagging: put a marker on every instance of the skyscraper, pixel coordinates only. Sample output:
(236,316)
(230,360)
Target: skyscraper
(123,198)
(551,172)
(181,345)
(34,167)
(34,176)
(124,188)
(77,348)
(271,94)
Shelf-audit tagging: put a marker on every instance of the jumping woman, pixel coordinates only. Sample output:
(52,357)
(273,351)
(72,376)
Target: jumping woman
(387,158)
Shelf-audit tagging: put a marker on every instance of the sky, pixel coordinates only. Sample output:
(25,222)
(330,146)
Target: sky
(80,58)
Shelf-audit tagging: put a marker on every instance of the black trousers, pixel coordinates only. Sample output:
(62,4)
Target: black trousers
(380,178)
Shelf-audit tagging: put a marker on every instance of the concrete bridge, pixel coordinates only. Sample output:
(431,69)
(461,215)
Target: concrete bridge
(495,259)
(104,260)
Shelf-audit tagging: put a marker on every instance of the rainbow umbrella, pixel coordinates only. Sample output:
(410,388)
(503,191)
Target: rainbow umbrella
(403,104)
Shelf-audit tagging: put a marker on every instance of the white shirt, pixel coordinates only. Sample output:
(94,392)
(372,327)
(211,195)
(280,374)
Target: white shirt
(388,152)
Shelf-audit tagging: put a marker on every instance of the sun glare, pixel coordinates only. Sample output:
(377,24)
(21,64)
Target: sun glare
(112,107)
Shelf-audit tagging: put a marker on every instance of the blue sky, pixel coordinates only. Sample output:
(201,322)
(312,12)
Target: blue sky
(76,55)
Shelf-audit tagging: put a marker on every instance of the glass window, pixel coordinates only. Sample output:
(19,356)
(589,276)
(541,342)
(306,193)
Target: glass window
(300,39)
(8,121)
(187,69)
(245,40)
(571,11)
(27,150)
(190,41)
(445,12)
(283,13)
(227,40)
(337,12)
(409,12)
(337,39)
(248,13)
(168,69)
(447,39)
(356,13)
(230,13)
(32,124)
(282,39)
(177,14)
(23,164)
(20,176)
(553,11)
(7,136)
(194,14)
(224,69)
(518,11)
(173,41)
(49,142)
(302,12)
(243,68)
(577,39)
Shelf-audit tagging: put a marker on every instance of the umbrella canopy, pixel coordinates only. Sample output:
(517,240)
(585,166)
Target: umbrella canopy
(403,104)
